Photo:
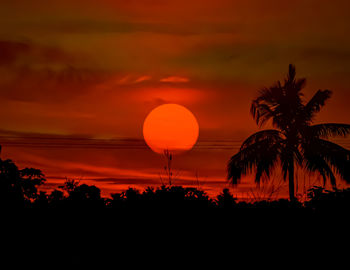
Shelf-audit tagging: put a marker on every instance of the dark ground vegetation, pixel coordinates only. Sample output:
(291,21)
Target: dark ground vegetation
(75,226)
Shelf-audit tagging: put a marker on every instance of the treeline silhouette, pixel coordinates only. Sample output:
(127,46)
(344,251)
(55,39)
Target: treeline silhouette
(75,226)
(19,189)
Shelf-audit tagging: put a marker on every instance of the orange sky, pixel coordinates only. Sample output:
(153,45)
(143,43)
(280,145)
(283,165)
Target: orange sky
(76,70)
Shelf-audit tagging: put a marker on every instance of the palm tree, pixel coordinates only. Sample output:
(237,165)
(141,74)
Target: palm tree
(294,140)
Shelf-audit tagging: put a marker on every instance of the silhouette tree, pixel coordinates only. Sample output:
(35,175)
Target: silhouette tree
(56,199)
(18,187)
(69,185)
(294,141)
(79,196)
(86,196)
(225,200)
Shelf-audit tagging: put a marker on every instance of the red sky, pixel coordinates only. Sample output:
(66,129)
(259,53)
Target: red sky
(73,71)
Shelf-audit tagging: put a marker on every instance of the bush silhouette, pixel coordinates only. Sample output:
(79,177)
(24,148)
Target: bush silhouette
(326,201)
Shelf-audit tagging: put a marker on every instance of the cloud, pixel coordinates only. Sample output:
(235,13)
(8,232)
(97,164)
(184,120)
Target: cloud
(158,94)
(132,79)
(143,79)
(25,53)
(33,72)
(10,51)
(35,139)
(127,181)
(48,85)
(175,79)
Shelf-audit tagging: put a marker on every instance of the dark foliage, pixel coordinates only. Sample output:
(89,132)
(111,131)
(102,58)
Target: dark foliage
(19,190)
(74,226)
(163,198)
(325,201)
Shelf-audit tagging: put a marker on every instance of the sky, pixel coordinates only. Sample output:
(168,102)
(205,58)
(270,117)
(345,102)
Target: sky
(78,78)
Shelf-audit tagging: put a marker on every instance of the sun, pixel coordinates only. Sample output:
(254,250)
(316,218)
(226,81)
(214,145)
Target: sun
(170,127)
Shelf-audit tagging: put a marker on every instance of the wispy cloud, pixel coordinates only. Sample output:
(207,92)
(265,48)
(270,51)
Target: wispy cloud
(132,79)
(143,79)
(175,79)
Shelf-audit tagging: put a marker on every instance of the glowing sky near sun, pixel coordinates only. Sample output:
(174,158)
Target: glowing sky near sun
(96,68)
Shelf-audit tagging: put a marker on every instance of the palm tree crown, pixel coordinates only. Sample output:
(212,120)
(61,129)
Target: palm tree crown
(294,139)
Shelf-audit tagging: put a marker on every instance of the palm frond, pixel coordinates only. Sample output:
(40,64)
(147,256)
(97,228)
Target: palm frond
(328,130)
(261,155)
(280,103)
(315,104)
(315,163)
(293,86)
(338,157)
(291,74)
(334,155)
(300,85)
(271,95)
(264,167)
(269,134)
(261,113)
(286,159)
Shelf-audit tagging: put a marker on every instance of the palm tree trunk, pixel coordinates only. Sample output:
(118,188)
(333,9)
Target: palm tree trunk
(291,180)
